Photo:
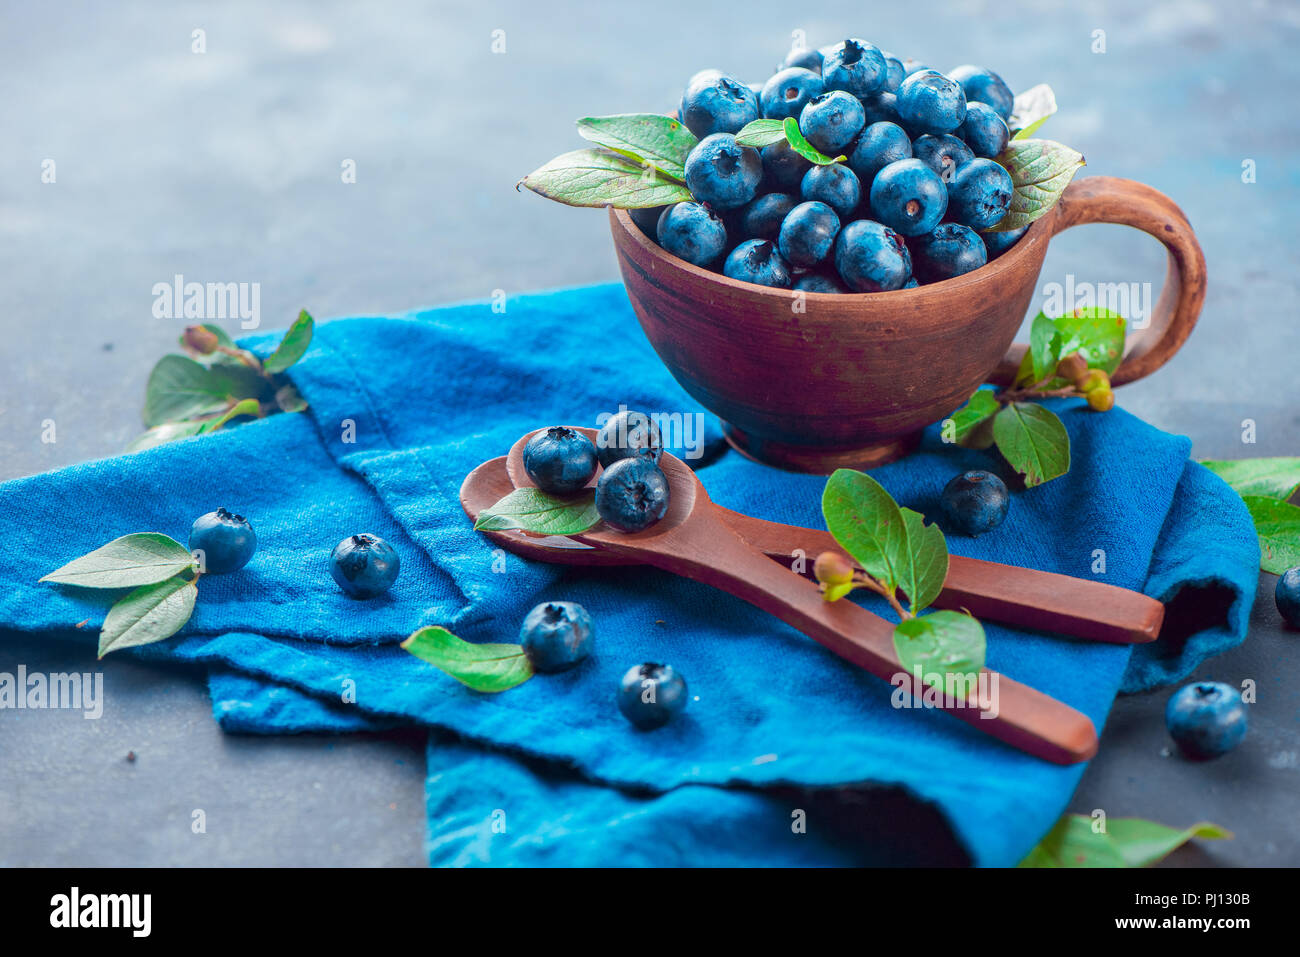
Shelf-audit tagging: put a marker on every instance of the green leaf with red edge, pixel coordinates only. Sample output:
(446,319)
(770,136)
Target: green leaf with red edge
(1040,170)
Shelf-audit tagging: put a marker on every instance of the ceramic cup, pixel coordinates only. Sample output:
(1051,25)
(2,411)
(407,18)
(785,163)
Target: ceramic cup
(817,381)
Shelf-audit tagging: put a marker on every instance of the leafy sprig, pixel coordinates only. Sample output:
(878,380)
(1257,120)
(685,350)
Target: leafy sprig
(897,553)
(161,573)
(1265,485)
(1072,355)
(216,382)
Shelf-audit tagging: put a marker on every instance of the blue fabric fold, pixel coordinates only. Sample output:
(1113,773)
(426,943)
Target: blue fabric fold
(403,408)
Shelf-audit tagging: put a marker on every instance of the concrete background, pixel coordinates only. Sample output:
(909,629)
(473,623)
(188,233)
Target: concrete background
(225,166)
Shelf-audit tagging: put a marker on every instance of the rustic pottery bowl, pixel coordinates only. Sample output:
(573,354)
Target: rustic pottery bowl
(817,381)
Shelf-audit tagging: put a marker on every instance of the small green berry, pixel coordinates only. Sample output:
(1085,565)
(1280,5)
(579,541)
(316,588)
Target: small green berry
(1091,380)
(1101,400)
(200,340)
(1072,367)
(832,568)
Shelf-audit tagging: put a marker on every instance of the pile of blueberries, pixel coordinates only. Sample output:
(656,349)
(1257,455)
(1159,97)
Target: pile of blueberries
(910,205)
(632,492)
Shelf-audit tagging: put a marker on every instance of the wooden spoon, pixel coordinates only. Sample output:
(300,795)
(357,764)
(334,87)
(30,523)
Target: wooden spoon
(692,540)
(1025,597)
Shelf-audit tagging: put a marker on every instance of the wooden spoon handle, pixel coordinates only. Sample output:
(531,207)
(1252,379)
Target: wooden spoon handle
(707,550)
(1042,601)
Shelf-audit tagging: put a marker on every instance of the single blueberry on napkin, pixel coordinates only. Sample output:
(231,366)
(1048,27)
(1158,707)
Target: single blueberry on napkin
(403,408)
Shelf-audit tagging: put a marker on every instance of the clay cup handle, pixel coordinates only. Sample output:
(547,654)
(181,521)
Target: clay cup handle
(1107,199)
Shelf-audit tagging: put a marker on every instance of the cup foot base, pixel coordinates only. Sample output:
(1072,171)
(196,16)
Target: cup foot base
(818,460)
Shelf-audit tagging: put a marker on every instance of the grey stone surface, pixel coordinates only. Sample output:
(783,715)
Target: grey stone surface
(225,166)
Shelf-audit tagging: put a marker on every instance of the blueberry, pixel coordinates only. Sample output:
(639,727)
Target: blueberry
(831,121)
(1206,719)
(871,257)
(855,67)
(878,145)
(984,131)
(979,194)
(930,102)
(880,108)
(950,250)
(716,103)
(692,232)
(975,502)
(835,185)
(805,58)
(556,635)
(632,494)
(985,86)
(912,65)
(365,565)
(761,217)
(226,540)
(786,93)
(908,197)
(722,173)
(943,154)
(819,282)
(647,220)
(808,233)
(628,434)
(999,242)
(560,460)
(783,168)
(895,73)
(1287,596)
(757,261)
(911,283)
(650,694)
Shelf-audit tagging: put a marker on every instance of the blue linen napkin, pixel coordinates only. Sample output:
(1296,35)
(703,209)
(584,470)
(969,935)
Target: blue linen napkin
(402,408)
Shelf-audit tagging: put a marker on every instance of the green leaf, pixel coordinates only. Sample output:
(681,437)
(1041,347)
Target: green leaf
(803,147)
(180,388)
(1040,170)
(867,523)
(292,346)
(971,423)
(603,178)
(925,564)
(486,667)
(1073,843)
(167,432)
(533,510)
(148,614)
(289,399)
(648,137)
(761,133)
(138,559)
(941,644)
(1033,441)
(1044,347)
(1126,842)
(1096,332)
(1272,477)
(242,407)
(1277,524)
(1030,110)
